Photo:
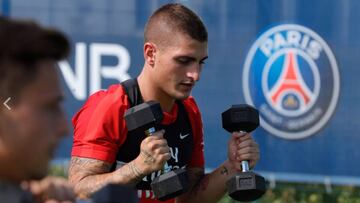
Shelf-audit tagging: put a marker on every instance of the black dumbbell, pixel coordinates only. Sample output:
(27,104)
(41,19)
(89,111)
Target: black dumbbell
(245,186)
(145,117)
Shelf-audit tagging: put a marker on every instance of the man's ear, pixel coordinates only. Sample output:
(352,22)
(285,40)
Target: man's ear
(149,53)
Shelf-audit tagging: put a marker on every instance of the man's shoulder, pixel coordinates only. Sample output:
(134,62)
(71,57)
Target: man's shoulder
(114,95)
(111,91)
(104,102)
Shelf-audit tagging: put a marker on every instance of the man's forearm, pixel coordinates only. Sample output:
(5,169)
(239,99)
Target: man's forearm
(95,175)
(211,187)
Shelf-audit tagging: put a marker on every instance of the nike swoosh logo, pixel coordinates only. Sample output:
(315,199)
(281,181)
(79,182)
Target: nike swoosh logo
(183,136)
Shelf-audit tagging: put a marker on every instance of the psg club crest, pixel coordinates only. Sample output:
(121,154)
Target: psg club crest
(291,76)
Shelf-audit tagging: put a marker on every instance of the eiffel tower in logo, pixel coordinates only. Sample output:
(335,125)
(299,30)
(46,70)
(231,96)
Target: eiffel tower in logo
(290,89)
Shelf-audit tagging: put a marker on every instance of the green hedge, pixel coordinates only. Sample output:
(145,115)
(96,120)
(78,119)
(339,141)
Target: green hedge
(307,193)
(284,192)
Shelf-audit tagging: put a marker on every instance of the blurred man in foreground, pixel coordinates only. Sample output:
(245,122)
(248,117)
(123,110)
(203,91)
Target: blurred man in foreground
(31,121)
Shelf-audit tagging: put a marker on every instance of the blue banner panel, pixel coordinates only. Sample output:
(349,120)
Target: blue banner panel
(295,61)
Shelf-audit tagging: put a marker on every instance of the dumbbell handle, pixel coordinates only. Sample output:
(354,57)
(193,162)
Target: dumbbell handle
(150,132)
(244,164)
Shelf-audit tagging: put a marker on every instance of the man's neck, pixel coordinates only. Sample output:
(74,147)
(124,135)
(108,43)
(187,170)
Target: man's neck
(150,91)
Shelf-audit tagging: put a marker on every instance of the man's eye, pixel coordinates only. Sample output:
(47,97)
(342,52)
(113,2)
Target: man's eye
(183,61)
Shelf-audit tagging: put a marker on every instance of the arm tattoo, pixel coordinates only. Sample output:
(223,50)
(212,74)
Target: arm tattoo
(84,174)
(89,175)
(136,171)
(83,167)
(201,181)
(148,158)
(203,184)
(224,170)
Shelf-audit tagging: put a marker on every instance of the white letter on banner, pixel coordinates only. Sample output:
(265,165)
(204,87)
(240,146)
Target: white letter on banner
(76,80)
(119,71)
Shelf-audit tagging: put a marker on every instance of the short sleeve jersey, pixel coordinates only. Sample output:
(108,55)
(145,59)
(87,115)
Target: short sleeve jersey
(100,129)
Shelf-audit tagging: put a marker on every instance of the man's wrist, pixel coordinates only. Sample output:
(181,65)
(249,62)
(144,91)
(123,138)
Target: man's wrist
(229,168)
(138,173)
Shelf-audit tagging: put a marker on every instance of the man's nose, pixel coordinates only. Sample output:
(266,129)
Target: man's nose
(194,72)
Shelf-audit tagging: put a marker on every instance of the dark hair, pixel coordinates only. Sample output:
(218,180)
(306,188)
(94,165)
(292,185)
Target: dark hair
(22,45)
(177,18)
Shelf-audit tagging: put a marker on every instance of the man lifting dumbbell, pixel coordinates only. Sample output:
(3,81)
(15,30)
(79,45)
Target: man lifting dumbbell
(105,151)
(145,118)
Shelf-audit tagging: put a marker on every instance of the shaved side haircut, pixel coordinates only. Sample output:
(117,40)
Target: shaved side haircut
(171,19)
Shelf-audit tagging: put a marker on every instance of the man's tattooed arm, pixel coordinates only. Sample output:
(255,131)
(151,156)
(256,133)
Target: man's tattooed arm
(224,170)
(89,175)
(209,187)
